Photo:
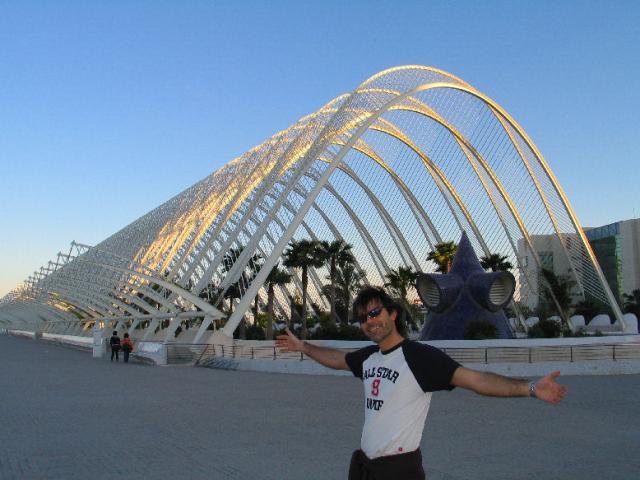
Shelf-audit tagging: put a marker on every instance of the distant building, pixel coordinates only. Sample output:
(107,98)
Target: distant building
(616,247)
(552,256)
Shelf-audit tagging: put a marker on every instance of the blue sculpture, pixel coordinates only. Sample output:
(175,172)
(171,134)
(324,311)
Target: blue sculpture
(467,293)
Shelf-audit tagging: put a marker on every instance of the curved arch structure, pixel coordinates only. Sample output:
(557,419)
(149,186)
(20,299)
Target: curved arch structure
(412,157)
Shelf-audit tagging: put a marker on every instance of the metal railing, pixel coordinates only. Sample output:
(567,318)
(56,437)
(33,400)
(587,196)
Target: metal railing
(559,353)
(199,354)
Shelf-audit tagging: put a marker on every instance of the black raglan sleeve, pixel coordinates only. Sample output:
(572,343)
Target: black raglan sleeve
(432,367)
(356,358)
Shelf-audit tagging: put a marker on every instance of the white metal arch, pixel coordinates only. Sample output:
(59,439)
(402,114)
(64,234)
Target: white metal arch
(262,198)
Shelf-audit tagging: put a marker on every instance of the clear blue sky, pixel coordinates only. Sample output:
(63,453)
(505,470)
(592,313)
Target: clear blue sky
(109,108)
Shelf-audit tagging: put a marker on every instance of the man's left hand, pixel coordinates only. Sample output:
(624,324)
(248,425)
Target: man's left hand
(548,390)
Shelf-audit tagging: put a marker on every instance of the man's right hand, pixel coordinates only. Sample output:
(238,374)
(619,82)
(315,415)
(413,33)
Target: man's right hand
(326,356)
(289,343)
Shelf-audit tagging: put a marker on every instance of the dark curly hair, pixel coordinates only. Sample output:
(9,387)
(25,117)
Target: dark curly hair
(377,294)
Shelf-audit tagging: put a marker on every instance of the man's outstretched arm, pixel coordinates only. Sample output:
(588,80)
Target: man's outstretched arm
(326,356)
(494,385)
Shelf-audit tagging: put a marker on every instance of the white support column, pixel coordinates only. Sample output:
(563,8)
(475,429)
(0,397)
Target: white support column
(133,326)
(171,329)
(150,329)
(206,321)
(99,343)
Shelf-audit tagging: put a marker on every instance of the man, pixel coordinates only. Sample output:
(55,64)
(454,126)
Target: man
(399,376)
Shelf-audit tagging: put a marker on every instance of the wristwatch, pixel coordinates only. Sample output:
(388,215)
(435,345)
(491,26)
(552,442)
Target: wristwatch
(532,390)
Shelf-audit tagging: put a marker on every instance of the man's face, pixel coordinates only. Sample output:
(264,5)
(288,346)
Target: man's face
(378,327)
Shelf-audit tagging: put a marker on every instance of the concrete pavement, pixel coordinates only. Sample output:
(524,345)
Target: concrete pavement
(65,415)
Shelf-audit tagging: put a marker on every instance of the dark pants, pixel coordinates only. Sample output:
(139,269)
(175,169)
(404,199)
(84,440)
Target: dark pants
(125,355)
(114,353)
(405,466)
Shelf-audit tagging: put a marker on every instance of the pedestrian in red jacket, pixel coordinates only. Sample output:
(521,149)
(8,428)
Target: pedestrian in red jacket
(127,347)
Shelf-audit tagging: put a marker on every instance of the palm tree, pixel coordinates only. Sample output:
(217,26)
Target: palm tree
(333,253)
(211,293)
(399,281)
(496,262)
(232,292)
(559,288)
(276,277)
(254,265)
(348,281)
(208,292)
(632,302)
(588,308)
(303,254)
(442,255)
(230,258)
(237,288)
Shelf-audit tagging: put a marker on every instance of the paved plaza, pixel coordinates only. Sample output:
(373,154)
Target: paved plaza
(66,415)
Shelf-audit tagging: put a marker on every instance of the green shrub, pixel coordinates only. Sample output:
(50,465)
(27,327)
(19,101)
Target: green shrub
(480,330)
(588,309)
(311,321)
(326,332)
(261,320)
(331,331)
(295,330)
(351,332)
(581,332)
(255,332)
(545,329)
(277,333)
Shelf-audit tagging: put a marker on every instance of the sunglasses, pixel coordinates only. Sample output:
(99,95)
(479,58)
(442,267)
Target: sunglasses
(373,313)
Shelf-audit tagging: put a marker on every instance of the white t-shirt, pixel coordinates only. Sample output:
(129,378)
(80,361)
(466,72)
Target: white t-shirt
(397,390)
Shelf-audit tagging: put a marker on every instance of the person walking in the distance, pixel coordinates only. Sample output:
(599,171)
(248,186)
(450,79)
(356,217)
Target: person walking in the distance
(114,342)
(399,376)
(127,347)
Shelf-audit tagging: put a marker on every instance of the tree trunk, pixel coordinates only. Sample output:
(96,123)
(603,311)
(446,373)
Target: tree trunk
(305,281)
(270,295)
(332,298)
(243,329)
(347,304)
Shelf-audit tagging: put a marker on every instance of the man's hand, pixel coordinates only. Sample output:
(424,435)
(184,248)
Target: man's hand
(548,390)
(325,356)
(289,343)
(494,385)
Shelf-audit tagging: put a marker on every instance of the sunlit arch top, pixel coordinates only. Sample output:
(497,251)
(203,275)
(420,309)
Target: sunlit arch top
(410,158)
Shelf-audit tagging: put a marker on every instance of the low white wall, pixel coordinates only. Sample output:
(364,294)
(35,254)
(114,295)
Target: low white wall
(84,342)
(156,352)
(507,342)
(309,367)
(22,333)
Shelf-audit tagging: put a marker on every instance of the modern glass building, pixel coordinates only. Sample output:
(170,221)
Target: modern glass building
(617,248)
